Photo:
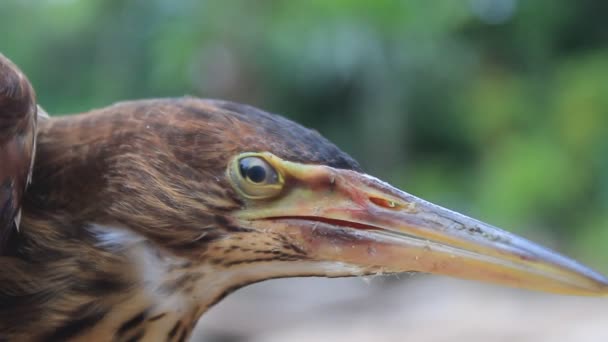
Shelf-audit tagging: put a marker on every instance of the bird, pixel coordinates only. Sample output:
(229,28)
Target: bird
(127,223)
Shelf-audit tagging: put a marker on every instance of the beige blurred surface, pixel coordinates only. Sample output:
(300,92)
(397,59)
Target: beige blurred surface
(413,308)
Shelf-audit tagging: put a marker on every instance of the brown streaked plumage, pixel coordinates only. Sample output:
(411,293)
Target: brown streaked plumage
(142,215)
(17,142)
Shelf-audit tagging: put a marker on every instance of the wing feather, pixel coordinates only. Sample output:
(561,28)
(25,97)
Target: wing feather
(17,144)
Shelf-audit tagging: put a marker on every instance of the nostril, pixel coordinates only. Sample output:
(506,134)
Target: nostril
(385,203)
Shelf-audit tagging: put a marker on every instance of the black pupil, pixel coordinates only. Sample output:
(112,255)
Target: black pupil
(256,173)
(253,172)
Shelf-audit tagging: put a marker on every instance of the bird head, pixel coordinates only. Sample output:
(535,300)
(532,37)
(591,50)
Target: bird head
(254,196)
(260,197)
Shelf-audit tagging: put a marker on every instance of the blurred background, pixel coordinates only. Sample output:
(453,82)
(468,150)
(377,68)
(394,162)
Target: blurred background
(496,108)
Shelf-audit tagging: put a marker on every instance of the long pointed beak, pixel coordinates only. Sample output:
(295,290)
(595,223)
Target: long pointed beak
(352,218)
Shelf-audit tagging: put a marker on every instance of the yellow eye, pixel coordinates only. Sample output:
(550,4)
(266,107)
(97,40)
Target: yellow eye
(254,177)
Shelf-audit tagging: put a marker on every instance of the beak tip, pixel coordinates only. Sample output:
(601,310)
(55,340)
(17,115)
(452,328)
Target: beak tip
(595,284)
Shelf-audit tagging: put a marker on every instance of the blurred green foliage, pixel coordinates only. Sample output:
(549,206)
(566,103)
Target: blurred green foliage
(498,108)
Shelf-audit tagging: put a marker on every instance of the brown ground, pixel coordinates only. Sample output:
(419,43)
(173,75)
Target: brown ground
(418,308)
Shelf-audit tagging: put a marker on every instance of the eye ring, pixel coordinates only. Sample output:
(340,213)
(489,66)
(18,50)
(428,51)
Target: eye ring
(255,177)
